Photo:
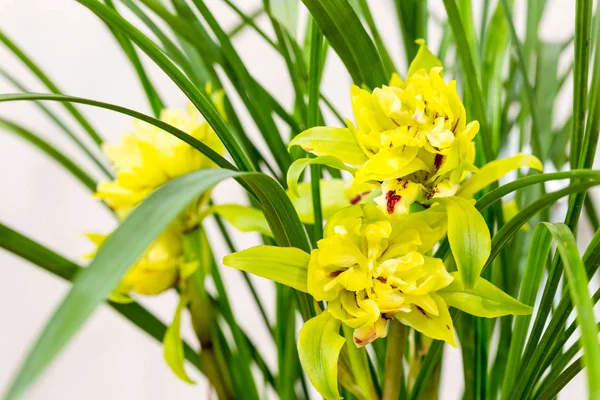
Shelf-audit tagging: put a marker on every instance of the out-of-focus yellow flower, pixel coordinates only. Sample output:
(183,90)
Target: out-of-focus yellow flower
(145,159)
(148,157)
(370,269)
(156,270)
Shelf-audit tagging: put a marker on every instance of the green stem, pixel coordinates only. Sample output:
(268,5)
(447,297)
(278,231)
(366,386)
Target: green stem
(245,381)
(394,356)
(316,48)
(232,249)
(583,24)
(203,315)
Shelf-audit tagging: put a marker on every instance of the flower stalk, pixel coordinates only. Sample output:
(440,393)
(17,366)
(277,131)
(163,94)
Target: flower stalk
(203,315)
(394,361)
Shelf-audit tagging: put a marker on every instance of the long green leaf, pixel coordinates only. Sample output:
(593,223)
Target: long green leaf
(511,227)
(242,375)
(412,18)
(317,57)
(583,24)
(470,73)
(255,103)
(50,151)
(120,250)
(48,260)
(50,85)
(385,55)
(274,206)
(199,99)
(346,34)
(529,92)
(207,151)
(154,99)
(61,125)
(534,270)
(578,282)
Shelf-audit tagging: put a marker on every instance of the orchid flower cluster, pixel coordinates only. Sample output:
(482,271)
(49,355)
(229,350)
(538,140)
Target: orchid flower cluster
(412,159)
(410,154)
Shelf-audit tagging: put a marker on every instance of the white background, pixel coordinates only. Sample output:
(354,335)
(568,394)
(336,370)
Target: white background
(109,358)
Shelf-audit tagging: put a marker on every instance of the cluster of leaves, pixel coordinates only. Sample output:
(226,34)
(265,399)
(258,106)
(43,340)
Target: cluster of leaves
(529,359)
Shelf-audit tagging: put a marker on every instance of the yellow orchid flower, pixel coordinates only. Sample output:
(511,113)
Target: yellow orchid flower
(148,157)
(369,268)
(145,159)
(411,142)
(157,270)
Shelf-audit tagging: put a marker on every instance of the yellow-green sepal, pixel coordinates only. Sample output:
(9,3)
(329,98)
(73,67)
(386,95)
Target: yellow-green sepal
(438,326)
(173,346)
(484,299)
(286,265)
(424,59)
(469,237)
(298,166)
(495,170)
(324,141)
(333,199)
(243,218)
(319,346)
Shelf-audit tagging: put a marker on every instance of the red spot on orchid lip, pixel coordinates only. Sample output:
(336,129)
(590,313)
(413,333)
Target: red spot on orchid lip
(392,198)
(355,199)
(438,161)
(334,274)
(367,340)
(358,197)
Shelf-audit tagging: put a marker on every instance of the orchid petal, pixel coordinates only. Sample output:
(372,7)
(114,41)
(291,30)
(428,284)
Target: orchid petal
(438,327)
(424,59)
(324,141)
